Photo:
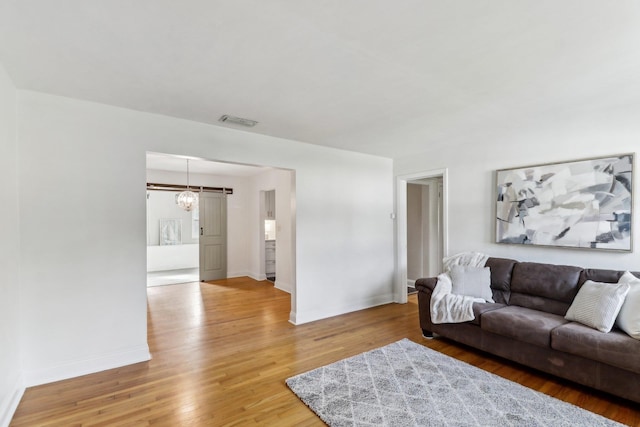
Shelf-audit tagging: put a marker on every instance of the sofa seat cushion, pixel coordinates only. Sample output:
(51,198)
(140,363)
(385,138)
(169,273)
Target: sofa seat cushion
(522,324)
(479,308)
(613,348)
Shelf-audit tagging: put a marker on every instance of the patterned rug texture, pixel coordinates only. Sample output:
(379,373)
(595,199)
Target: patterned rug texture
(407,384)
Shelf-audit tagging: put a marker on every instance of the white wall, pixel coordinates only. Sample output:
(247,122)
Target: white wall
(82,202)
(83,165)
(344,234)
(238,212)
(579,134)
(285,230)
(173,257)
(10,381)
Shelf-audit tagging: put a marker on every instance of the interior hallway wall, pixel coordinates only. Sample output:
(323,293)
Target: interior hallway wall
(11,385)
(78,321)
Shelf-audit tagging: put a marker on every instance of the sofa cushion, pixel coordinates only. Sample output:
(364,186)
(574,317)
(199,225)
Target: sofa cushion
(501,269)
(479,308)
(597,304)
(599,275)
(522,324)
(629,317)
(471,281)
(615,348)
(544,287)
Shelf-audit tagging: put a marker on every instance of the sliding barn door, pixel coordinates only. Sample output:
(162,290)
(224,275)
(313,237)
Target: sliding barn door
(213,236)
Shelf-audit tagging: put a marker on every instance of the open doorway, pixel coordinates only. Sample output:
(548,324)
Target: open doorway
(424,229)
(245,187)
(189,243)
(427,213)
(270,235)
(275,219)
(172,240)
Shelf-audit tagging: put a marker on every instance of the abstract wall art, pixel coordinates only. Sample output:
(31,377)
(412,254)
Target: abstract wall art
(170,231)
(577,204)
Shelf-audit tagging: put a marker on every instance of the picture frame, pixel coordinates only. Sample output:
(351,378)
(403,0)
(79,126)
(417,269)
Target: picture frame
(585,203)
(170,231)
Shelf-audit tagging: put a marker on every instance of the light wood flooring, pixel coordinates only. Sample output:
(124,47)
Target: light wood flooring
(222,351)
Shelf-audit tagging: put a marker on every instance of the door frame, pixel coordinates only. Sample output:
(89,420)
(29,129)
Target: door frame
(400,287)
(289,207)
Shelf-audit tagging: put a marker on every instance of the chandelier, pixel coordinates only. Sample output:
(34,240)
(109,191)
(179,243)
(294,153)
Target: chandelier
(187,200)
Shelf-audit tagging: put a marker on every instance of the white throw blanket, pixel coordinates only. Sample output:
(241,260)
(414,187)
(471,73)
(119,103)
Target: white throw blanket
(446,307)
(471,259)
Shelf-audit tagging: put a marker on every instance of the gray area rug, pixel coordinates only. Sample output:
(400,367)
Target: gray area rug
(407,384)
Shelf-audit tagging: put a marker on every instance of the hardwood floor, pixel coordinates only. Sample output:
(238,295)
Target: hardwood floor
(222,350)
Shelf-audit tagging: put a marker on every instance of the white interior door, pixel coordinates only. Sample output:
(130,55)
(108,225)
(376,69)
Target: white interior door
(213,236)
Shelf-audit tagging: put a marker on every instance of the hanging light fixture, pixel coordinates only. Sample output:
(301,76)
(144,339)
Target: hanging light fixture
(187,200)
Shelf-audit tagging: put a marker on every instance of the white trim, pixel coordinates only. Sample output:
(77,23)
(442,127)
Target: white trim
(400,292)
(235,274)
(279,284)
(292,317)
(411,282)
(87,366)
(313,315)
(8,406)
(259,277)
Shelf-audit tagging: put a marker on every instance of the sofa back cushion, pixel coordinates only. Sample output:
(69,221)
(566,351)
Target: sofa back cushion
(597,275)
(501,270)
(544,287)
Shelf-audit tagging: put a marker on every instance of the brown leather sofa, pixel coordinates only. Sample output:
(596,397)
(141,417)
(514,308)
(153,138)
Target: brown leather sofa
(526,325)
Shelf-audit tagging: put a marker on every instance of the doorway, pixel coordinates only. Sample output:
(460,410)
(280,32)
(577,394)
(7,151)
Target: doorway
(244,184)
(429,242)
(172,240)
(424,229)
(270,229)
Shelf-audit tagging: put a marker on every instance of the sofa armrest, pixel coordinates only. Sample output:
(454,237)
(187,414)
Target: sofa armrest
(427,284)
(425,288)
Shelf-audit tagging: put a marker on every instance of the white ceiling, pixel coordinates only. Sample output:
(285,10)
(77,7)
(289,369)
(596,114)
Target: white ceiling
(390,78)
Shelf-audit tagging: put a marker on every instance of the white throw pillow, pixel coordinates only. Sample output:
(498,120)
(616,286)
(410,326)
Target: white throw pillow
(629,317)
(472,281)
(597,304)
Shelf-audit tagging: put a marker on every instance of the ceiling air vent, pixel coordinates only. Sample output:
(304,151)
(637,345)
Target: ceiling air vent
(237,121)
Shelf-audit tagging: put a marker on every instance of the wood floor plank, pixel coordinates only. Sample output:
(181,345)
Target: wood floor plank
(222,351)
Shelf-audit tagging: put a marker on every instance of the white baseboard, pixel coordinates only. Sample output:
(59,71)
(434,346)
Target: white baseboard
(283,286)
(258,277)
(9,406)
(87,366)
(298,318)
(232,274)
